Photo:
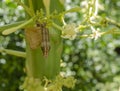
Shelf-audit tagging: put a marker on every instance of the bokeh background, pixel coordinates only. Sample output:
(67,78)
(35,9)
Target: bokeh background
(94,63)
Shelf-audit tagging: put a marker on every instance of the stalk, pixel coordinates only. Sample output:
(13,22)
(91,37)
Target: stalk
(38,66)
(43,70)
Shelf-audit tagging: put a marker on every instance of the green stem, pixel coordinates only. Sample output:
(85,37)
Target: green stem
(13,52)
(31,7)
(37,65)
(113,22)
(27,9)
(47,6)
(57,26)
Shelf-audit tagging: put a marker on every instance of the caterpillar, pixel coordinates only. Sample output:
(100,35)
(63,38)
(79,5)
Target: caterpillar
(45,41)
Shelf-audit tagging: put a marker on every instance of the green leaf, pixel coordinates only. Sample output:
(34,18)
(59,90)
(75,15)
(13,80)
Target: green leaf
(13,29)
(10,25)
(76,9)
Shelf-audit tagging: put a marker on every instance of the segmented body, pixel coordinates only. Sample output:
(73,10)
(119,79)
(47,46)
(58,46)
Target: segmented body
(45,41)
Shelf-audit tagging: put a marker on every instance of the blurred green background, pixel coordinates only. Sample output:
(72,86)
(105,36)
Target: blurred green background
(94,63)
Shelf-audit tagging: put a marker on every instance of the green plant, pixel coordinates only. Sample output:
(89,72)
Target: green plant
(40,61)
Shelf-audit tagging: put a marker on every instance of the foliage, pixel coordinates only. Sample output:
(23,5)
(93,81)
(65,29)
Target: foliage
(11,67)
(94,63)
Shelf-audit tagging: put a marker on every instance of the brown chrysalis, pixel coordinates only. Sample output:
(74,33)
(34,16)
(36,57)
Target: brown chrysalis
(33,36)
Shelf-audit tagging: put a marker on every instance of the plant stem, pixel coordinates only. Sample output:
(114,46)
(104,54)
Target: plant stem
(57,26)
(37,65)
(113,22)
(13,52)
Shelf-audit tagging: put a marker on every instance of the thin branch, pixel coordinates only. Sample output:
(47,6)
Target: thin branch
(113,22)
(57,26)
(13,52)
(31,7)
(27,9)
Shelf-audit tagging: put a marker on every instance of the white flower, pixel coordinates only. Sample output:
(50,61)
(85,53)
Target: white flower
(96,34)
(69,31)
